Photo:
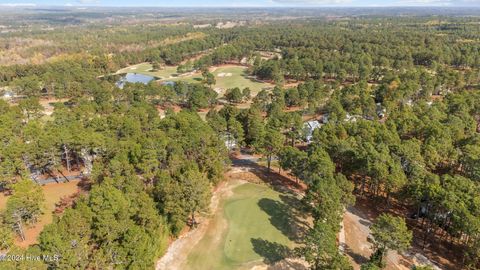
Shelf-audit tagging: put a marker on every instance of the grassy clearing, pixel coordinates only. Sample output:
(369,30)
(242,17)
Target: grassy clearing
(238,78)
(229,77)
(226,76)
(253,226)
(146,69)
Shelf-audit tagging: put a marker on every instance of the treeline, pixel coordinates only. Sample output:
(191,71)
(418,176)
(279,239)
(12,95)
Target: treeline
(150,177)
(366,50)
(71,76)
(425,156)
(352,53)
(96,39)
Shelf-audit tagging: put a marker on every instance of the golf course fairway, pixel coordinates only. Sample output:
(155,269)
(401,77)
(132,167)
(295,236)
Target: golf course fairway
(251,226)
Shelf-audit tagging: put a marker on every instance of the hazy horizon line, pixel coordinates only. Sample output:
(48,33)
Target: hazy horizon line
(27,5)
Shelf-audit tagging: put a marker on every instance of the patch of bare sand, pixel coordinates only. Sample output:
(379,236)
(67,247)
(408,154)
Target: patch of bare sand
(286,264)
(54,192)
(175,257)
(356,226)
(3,201)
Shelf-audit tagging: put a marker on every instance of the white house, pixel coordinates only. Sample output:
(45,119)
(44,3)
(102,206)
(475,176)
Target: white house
(309,127)
(352,118)
(8,95)
(381,111)
(230,141)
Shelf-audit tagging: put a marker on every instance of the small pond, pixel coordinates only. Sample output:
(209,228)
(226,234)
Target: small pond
(134,78)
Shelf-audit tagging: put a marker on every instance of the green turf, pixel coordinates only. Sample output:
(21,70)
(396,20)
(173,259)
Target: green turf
(146,69)
(251,226)
(238,76)
(238,79)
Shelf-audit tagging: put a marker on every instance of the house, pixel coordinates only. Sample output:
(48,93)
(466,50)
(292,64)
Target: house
(352,118)
(8,95)
(309,127)
(325,118)
(230,141)
(381,111)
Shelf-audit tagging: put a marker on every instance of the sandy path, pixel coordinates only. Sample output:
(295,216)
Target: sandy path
(356,246)
(176,255)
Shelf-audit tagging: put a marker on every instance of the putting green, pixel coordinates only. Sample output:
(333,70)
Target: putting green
(249,227)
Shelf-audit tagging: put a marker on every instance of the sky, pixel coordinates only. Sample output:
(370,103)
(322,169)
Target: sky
(242,3)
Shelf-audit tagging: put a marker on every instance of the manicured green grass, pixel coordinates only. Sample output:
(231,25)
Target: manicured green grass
(146,69)
(238,79)
(251,226)
(229,77)
(233,76)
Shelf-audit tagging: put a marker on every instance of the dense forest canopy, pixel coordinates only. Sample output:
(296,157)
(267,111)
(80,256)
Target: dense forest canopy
(398,97)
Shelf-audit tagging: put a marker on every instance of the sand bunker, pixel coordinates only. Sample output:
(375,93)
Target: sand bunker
(224,74)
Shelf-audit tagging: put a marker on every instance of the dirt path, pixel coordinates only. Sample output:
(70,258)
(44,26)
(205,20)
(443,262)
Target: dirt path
(175,257)
(356,223)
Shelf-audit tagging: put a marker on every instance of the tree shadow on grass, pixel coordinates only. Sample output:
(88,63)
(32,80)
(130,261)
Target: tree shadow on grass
(270,251)
(297,207)
(283,218)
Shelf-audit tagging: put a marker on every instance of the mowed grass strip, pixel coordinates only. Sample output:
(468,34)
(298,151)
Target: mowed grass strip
(242,232)
(249,220)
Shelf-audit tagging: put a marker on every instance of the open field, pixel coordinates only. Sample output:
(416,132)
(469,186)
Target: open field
(227,76)
(53,193)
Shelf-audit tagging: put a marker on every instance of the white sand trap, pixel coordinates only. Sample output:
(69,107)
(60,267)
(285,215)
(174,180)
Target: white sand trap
(228,74)
(221,74)
(132,68)
(218,90)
